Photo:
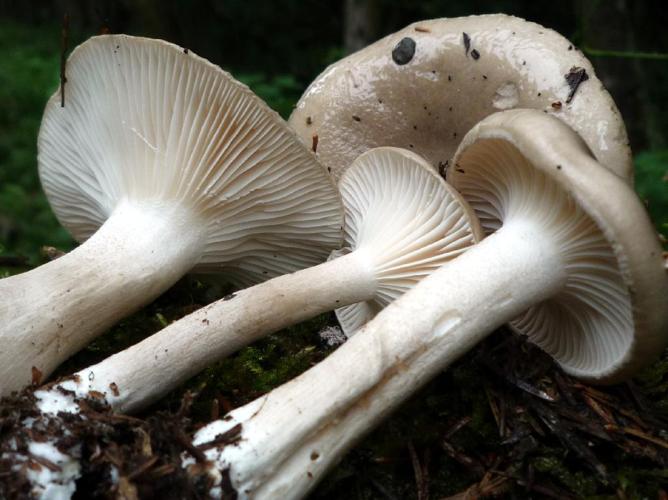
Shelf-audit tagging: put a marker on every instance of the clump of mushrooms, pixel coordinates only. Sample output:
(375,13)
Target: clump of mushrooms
(424,87)
(571,260)
(163,164)
(402,223)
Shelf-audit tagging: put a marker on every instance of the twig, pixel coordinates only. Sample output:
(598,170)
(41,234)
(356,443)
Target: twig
(420,476)
(657,56)
(63,59)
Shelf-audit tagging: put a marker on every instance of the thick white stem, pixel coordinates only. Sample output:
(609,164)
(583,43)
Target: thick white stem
(149,369)
(335,402)
(51,312)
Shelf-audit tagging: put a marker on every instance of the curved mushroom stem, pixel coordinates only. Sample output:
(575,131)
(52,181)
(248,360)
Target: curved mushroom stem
(320,414)
(51,312)
(403,222)
(168,358)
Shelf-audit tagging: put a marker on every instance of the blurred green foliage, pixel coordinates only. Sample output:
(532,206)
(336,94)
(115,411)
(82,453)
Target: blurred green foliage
(281,92)
(29,74)
(652,185)
(29,71)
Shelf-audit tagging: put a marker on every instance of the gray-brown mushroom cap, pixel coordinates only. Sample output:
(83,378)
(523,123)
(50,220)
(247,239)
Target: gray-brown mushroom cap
(610,316)
(423,87)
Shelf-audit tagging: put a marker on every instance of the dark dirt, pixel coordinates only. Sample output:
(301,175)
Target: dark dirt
(574,78)
(404,51)
(503,421)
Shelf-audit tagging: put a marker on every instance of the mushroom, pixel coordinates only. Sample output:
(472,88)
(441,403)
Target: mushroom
(163,164)
(424,87)
(402,222)
(571,260)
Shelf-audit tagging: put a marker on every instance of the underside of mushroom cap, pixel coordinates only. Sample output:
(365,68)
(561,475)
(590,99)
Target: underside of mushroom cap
(405,220)
(144,120)
(610,317)
(425,86)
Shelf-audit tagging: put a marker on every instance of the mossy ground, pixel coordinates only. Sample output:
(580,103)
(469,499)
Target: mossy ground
(503,418)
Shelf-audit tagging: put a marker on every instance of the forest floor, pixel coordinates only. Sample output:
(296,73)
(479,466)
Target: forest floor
(502,421)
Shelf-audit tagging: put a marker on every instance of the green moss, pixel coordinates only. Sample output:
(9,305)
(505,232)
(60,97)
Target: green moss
(581,482)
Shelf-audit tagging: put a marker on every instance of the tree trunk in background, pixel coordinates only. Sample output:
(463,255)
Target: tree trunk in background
(360,24)
(608,25)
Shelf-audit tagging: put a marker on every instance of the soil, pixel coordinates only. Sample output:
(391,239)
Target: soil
(504,421)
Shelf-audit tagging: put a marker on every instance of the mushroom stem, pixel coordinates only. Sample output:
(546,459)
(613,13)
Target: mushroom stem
(481,289)
(168,358)
(53,311)
(403,221)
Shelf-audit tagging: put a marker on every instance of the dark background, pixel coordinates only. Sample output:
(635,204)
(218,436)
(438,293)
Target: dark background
(277,48)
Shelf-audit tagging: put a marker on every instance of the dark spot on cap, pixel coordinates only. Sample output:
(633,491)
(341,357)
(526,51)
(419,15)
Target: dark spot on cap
(574,78)
(556,105)
(467,42)
(314,455)
(357,118)
(475,54)
(539,94)
(570,47)
(449,78)
(185,51)
(484,77)
(558,167)
(403,52)
(411,146)
(443,168)
(309,120)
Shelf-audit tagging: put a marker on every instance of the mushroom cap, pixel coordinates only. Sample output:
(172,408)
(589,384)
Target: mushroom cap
(405,219)
(610,317)
(461,70)
(148,121)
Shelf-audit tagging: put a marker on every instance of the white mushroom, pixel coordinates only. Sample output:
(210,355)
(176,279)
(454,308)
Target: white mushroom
(424,87)
(572,261)
(402,222)
(162,163)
